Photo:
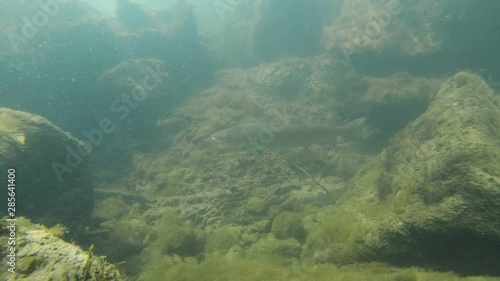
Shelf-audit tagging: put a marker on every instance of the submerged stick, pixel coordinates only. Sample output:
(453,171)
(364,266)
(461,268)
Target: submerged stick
(311,177)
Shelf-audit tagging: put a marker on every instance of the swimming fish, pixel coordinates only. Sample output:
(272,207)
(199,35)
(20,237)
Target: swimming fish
(280,135)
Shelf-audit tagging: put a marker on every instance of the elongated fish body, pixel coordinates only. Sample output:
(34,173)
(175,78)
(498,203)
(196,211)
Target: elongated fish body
(278,135)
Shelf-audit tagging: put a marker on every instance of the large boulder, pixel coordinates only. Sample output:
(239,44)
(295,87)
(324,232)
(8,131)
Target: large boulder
(42,255)
(172,37)
(424,36)
(138,90)
(432,198)
(52,178)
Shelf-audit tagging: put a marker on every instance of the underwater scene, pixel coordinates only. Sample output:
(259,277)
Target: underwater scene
(250,140)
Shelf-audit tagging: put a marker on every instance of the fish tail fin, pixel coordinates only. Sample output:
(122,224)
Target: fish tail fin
(356,129)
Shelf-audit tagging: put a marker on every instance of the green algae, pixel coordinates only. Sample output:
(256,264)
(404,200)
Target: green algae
(288,225)
(435,181)
(225,269)
(221,240)
(172,236)
(256,205)
(222,215)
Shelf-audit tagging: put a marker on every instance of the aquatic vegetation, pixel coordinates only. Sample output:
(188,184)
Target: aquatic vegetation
(180,241)
(111,208)
(276,251)
(226,269)
(58,230)
(121,232)
(335,235)
(121,239)
(382,27)
(88,263)
(172,236)
(416,192)
(288,225)
(221,240)
(176,205)
(44,256)
(221,209)
(261,226)
(198,158)
(256,205)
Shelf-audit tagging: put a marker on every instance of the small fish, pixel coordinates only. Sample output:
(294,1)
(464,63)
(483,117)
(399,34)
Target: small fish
(279,135)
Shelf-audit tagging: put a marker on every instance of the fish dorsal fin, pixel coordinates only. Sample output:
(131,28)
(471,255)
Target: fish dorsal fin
(358,123)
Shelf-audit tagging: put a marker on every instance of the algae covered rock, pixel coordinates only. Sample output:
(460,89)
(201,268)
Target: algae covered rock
(432,198)
(138,90)
(42,255)
(392,103)
(222,239)
(181,241)
(299,90)
(288,225)
(256,205)
(259,226)
(404,34)
(292,77)
(52,170)
(285,251)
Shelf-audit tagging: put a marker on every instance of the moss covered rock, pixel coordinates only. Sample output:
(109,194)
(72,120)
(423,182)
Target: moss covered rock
(230,269)
(41,255)
(285,251)
(432,197)
(288,225)
(174,237)
(222,239)
(423,36)
(180,241)
(256,205)
(52,170)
